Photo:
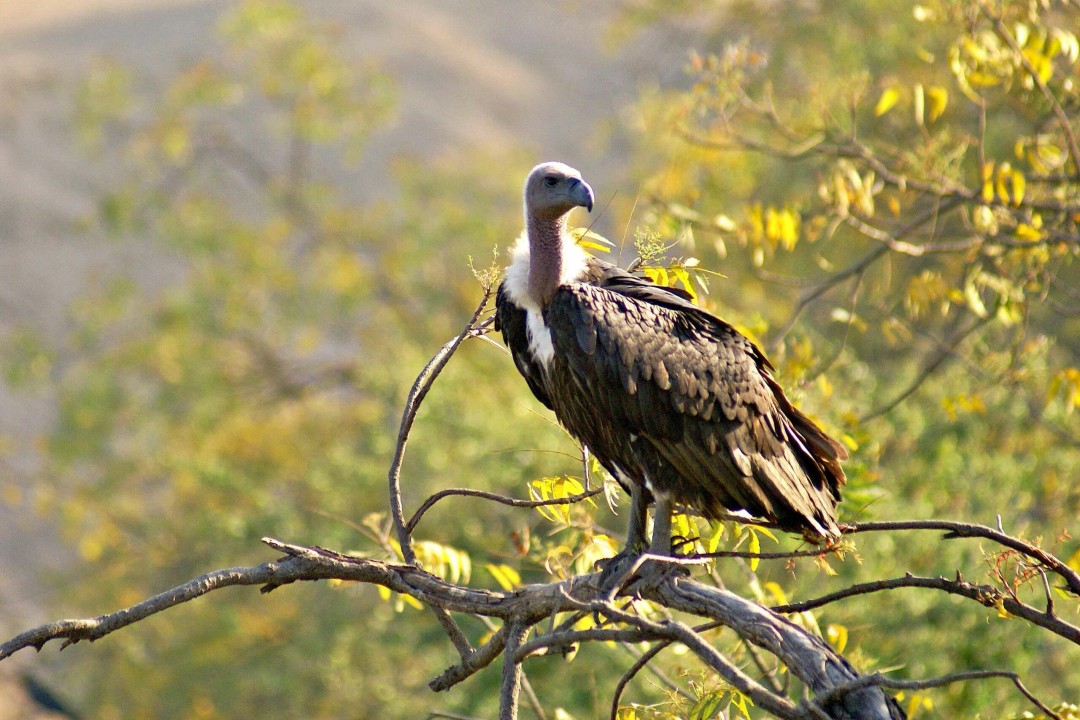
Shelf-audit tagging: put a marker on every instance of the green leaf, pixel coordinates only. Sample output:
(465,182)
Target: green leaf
(706,707)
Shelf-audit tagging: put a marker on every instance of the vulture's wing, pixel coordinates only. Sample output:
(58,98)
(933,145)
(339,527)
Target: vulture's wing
(701,395)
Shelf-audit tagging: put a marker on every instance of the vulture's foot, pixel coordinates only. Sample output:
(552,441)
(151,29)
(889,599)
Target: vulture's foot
(629,573)
(617,571)
(652,574)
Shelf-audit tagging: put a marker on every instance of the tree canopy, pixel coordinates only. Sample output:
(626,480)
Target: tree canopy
(885,196)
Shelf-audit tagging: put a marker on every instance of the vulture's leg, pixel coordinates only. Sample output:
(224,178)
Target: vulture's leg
(616,569)
(657,571)
(622,571)
(661,533)
(639,510)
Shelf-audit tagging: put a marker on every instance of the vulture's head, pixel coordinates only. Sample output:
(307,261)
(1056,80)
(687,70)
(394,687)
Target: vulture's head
(553,189)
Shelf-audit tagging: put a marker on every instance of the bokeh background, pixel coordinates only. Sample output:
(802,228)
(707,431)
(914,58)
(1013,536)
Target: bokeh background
(232,233)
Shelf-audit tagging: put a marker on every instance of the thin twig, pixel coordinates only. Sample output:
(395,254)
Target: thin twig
(861,266)
(530,695)
(641,662)
(453,631)
(495,497)
(820,552)
(412,404)
(930,367)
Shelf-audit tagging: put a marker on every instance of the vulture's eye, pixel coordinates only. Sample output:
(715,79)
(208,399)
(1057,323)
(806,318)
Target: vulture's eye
(551,181)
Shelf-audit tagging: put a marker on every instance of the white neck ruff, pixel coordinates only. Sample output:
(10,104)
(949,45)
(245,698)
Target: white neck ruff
(574,259)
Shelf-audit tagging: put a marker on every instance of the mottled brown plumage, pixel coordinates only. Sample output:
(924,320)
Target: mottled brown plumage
(672,400)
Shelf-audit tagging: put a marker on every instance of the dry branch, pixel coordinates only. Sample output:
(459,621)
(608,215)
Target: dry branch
(520,609)
(954,529)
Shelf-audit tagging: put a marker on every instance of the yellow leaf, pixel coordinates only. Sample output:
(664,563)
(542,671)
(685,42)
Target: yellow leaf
(1028,232)
(506,576)
(920,104)
(1068,44)
(1004,171)
(913,705)
(1074,560)
(1001,611)
(777,592)
(412,602)
(684,280)
(987,183)
(715,537)
(838,636)
(588,244)
(755,547)
(789,229)
(588,239)
(974,300)
(887,101)
(767,533)
(939,100)
(1018,186)
(1040,63)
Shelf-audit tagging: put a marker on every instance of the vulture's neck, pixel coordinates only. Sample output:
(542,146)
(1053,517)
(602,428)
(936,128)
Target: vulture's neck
(547,241)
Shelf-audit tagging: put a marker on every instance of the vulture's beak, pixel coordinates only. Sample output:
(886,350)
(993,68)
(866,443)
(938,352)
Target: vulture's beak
(581,194)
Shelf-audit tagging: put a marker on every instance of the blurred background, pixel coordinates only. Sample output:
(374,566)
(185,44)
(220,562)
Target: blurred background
(231,234)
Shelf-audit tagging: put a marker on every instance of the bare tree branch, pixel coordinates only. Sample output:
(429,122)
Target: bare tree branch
(819,666)
(511,683)
(882,681)
(985,595)
(955,529)
(471,664)
(806,655)
(632,672)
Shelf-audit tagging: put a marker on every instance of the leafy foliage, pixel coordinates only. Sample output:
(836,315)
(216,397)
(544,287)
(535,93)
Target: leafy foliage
(893,198)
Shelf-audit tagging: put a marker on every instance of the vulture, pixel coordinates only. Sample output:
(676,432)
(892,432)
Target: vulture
(673,401)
